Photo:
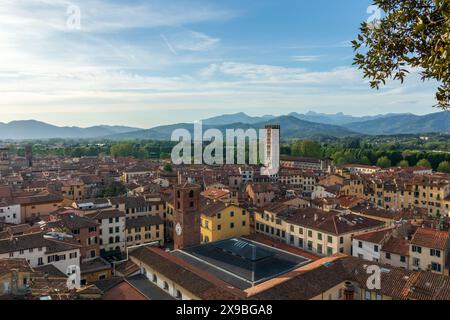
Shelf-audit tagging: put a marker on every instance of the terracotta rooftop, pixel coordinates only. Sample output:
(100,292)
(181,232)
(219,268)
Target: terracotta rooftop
(123,291)
(43,197)
(215,193)
(127,268)
(332,222)
(73,221)
(143,221)
(138,169)
(51,271)
(313,279)
(95,265)
(373,211)
(431,238)
(396,246)
(106,214)
(35,240)
(6,265)
(196,281)
(349,201)
(374,237)
(211,208)
(261,187)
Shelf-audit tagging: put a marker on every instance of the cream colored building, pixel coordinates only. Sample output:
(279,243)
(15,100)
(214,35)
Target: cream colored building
(322,233)
(139,206)
(38,205)
(395,252)
(133,173)
(73,190)
(430,192)
(15,276)
(429,250)
(145,229)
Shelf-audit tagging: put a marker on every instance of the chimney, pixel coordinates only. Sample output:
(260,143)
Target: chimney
(316,217)
(349,291)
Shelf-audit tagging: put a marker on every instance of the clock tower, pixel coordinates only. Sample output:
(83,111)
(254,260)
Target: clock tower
(186,216)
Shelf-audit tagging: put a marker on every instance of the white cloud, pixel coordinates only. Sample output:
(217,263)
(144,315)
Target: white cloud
(35,33)
(251,71)
(256,73)
(191,41)
(103,15)
(305,58)
(251,85)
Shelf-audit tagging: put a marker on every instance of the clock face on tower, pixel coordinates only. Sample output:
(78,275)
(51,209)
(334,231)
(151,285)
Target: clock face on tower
(178,229)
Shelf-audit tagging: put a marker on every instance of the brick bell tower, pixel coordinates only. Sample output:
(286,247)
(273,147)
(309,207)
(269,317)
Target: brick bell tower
(186,217)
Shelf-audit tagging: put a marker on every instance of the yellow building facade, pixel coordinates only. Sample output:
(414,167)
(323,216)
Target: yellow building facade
(220,221)
(143,230)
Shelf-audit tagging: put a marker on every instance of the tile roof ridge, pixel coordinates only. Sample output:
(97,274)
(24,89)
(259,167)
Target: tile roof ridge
(413,278)
(62,242)
(271,283)
(216,281)
(134,287)
(334,223)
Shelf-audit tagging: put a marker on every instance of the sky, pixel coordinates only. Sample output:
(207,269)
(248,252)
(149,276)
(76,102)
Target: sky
(148,63)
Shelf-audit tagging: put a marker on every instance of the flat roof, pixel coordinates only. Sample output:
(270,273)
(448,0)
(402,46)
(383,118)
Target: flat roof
(241,262)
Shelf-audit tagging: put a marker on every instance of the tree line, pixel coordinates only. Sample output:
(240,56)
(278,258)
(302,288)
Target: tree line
(357,152)
(381,151)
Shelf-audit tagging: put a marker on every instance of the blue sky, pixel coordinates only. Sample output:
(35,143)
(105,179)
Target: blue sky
(146,63)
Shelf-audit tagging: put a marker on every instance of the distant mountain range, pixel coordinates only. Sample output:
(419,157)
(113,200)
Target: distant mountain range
(32,129)
(311,116)
(240,117)
(336,119)
(291,127)
(404,124)
(294,125)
